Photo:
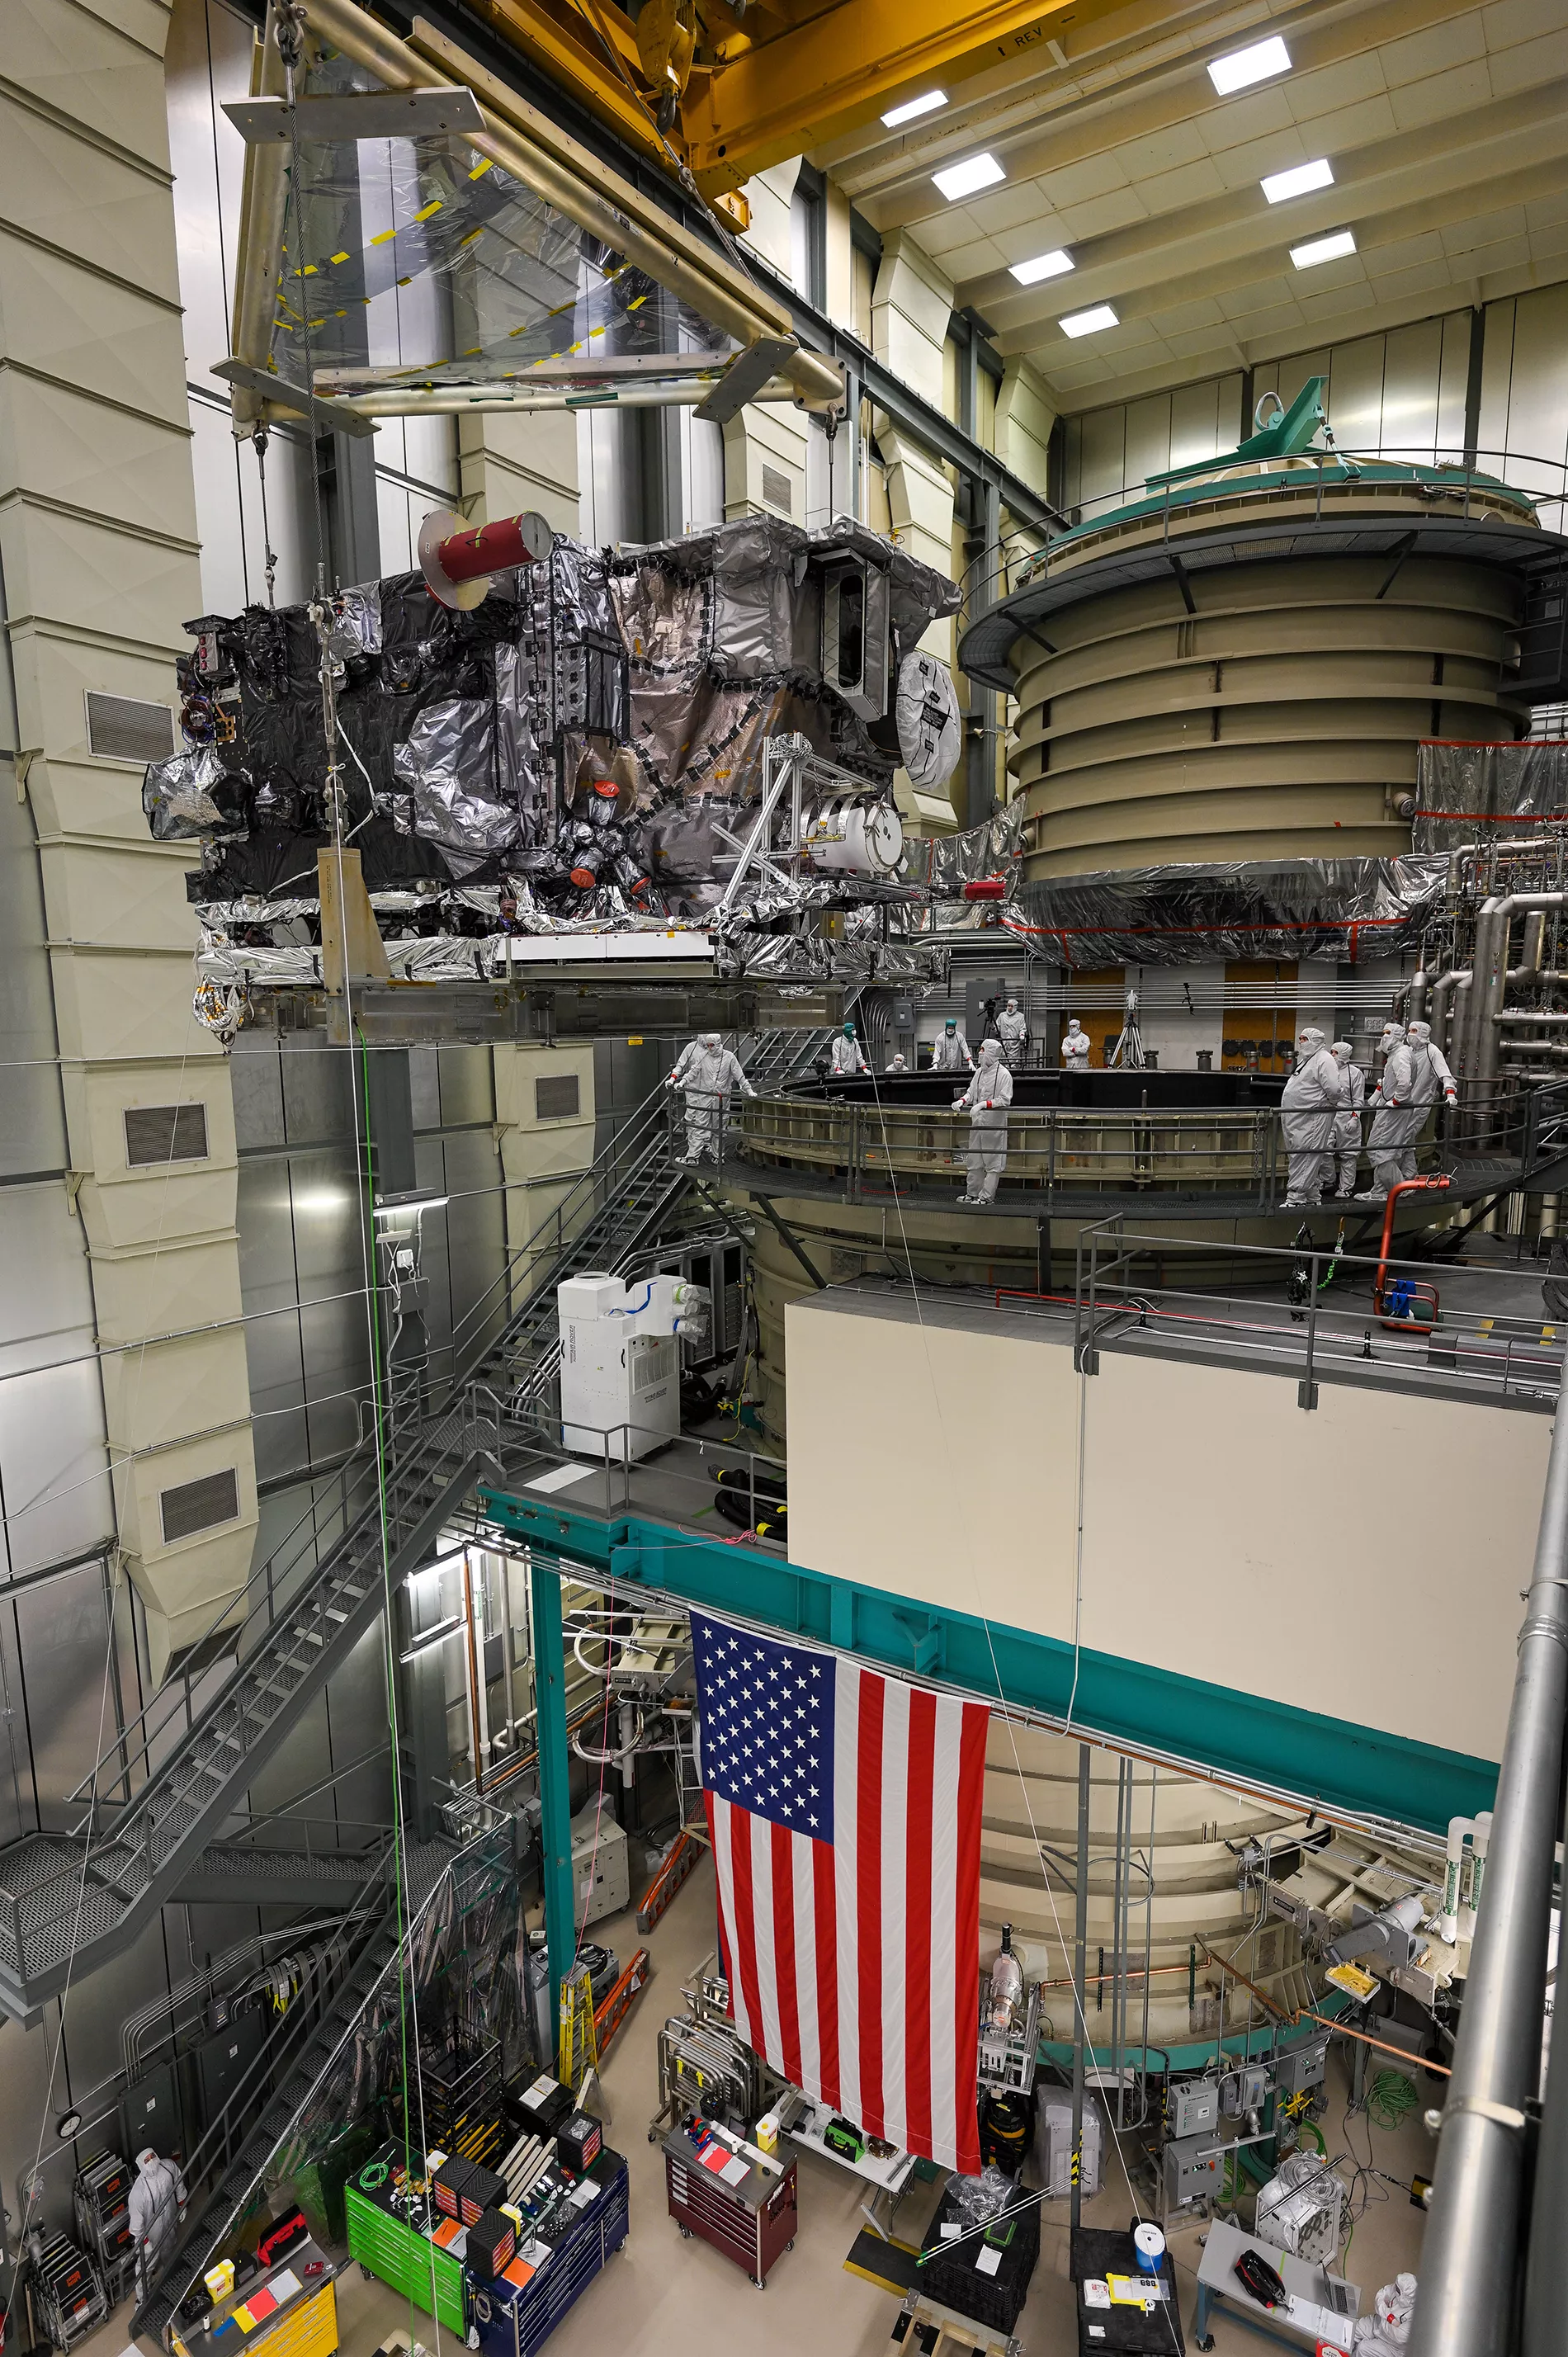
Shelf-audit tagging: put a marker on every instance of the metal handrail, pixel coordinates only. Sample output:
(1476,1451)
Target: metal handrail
(1463,469)
(1071,1149)
(211,2154)
(1321,1336)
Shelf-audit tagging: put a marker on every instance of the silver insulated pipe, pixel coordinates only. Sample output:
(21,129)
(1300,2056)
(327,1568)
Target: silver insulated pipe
(1471,2254)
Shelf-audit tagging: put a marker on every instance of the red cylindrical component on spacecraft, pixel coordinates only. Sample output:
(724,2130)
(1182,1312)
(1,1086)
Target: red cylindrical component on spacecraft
(459,562)
(494,547)
(986,888)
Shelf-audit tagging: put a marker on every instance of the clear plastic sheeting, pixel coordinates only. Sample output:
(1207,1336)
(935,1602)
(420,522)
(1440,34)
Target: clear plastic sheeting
(1176,915)
(484,278)
(1470,793)
(193,797)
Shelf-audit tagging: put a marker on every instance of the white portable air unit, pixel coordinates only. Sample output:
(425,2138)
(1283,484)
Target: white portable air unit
(620,1361)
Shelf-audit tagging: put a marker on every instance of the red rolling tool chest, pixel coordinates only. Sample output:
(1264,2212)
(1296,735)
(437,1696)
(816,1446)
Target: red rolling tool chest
(744,2210)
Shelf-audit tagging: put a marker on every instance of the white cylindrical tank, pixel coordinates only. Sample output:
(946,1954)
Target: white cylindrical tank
(855,837)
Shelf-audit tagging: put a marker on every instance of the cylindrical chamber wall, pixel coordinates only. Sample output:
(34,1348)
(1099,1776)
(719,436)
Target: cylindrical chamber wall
(1027,1848)
(1279,719)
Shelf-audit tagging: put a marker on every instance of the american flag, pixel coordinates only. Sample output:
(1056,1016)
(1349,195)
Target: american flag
(845,1810)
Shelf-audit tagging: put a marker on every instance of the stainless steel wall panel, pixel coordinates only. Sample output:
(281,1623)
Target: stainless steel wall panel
(468,1091)
(319,1090)
(68,1690)
(256,1072)
(425,1085)
(54,1477)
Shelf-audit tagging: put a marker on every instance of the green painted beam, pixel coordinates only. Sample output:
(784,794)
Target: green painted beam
(555,1782)
(1249,1739)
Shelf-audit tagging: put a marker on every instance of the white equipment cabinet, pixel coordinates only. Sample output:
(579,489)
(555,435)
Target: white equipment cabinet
(620,1360)
(601,1865)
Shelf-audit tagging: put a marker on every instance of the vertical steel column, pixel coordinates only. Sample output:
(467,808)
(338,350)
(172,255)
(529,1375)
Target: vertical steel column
(554,1782)
(1471,2254)
(1080,1982)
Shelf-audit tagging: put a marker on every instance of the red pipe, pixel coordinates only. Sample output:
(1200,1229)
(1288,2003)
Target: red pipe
(1402,1325)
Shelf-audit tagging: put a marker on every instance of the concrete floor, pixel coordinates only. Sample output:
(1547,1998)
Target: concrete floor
(662,2295)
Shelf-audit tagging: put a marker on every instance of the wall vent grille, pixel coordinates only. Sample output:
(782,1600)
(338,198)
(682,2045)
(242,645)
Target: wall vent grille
(199,1505)
(776,490)
(157,1133)
(123,728)
(556,1098)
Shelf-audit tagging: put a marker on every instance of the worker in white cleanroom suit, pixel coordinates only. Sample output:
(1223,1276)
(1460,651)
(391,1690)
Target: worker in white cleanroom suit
(849,1056)
(1312,1098)
(709,1074)
(1075,1047)
(986,1100)
(1347,1120)
(1391,1140)
(1429,1077)
(950,1053)
(898,1065)
(156,2207)
(1013,1031)
(1387,2327)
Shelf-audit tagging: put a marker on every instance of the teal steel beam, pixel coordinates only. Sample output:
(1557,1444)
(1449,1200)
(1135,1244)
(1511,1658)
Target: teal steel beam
(554,1782)
(1250,1740)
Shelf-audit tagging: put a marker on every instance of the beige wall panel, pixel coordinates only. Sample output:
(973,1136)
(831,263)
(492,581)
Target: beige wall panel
(911,305)
(155,1396)
(1444,1498)
(167,1286)
(97,894)
(164,1213)
(771,435)
(82,329)
(97,541)
(839,303)
(96,1103)
(120,585)
(114,1006)
(61,667)
(507,464)
(1411,388)
(1454,381)
(947,1418)
(99,800)
(110,463)
(112,87)
(532,1150)
(93,206)
(769,195)
(1537,412)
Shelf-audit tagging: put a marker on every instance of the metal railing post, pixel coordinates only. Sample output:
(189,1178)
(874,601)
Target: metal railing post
(1307,1391)
(1471,2252)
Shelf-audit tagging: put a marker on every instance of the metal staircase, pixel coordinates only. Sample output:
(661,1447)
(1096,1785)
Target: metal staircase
(226,2167)
(69,1902)
(158,1802)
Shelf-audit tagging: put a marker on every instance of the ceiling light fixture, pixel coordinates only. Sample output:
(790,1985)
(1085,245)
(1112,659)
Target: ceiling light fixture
(912,107)
(966,179)
(1299,181)
(1041,265)
(414,1200)
(1088,323)
(1323,249)
(1241,67)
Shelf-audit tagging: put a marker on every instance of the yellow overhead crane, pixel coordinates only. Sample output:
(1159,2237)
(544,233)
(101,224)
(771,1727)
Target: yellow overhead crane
(731,86)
